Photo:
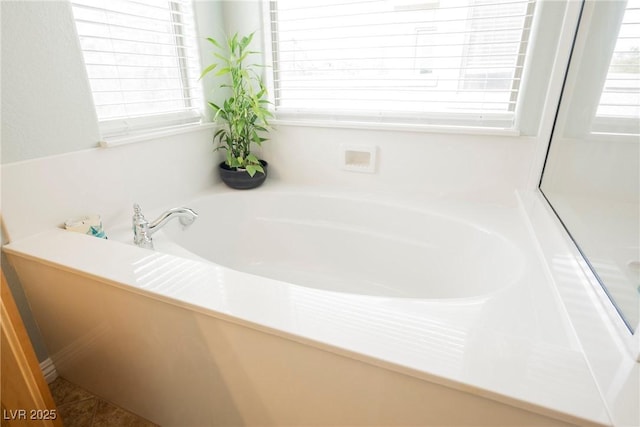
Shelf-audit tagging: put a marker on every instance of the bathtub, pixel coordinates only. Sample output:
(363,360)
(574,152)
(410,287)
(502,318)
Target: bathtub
(344,245)
(286,306)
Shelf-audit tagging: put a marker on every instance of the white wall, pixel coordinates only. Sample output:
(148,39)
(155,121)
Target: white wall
(46,100)
(209,23)
(417,164)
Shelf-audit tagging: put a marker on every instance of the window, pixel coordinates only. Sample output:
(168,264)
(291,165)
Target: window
(142,62)
(426,61)
(618,109)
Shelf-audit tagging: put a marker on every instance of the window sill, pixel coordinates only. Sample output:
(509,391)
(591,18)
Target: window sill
(402,127)
(149,135)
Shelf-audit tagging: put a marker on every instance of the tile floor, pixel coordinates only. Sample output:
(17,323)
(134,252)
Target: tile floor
(79,408)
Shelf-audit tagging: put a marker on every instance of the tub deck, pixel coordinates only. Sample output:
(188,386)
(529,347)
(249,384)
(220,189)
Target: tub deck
(515,345)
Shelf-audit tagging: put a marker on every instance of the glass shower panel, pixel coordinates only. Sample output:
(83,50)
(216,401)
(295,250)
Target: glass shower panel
(592,174)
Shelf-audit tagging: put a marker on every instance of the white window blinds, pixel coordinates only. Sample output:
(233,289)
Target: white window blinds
(142,62)
(432,61)
(619,107)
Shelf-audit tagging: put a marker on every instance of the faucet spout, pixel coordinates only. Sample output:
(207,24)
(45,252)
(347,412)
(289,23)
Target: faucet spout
(185,215)
(143,230)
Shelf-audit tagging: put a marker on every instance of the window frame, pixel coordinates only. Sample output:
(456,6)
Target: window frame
(529,110)
(582,105)
(493,123)
(114,131)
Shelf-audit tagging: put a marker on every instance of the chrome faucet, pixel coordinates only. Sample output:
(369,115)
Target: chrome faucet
(142,229)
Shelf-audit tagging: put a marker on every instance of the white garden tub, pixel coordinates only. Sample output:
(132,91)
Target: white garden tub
(283,306)
(339,244)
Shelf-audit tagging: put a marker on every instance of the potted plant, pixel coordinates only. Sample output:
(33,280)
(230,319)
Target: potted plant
(243,116)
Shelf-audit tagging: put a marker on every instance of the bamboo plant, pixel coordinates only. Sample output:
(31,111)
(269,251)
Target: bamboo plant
(243,116)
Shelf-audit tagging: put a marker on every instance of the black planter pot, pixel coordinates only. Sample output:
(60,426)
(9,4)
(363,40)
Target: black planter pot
(240,179)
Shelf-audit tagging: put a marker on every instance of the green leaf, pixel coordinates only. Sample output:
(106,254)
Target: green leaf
(207,70)
(221,114)
(214,42)
(243,56)
(222,58)
(246,40)
(251,169)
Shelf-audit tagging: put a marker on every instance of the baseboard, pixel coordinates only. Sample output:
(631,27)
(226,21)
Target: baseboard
(48,370)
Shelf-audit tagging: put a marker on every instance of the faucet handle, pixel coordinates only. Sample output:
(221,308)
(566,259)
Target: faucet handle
(141,228)
(138,217)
